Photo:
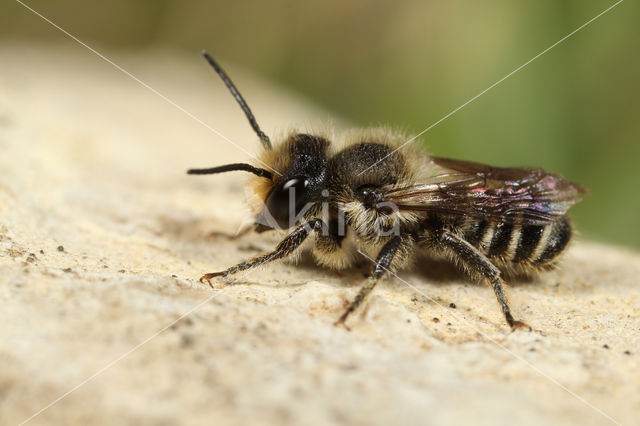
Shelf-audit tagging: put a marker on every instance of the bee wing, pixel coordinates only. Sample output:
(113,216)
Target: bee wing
(527,195)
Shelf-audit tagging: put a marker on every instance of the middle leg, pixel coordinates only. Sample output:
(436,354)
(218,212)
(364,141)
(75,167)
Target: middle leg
(383,261)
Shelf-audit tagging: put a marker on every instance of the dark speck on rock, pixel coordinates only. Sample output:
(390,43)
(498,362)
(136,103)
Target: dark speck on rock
(605,346)
(452,305)
(60,248)
(436,319)
(186,340)
(627,352)
(67,270)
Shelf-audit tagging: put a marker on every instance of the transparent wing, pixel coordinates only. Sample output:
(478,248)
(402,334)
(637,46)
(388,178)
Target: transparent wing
(525,195)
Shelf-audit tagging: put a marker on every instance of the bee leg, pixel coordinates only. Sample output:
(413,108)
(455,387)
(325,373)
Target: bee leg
(478,264)
(383,261)
(283,249)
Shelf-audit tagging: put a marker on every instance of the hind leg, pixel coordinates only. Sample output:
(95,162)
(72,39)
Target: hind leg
(479,265)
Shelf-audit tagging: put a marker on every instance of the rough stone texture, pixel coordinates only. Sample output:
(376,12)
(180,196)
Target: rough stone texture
(93,162)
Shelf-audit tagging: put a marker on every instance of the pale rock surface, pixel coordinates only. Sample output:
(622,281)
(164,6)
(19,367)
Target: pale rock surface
(94,162)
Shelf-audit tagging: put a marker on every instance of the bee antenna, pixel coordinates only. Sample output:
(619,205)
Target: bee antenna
(236,94)
(232,167)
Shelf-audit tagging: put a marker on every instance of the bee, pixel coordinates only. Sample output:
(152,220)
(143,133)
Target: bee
(365,197)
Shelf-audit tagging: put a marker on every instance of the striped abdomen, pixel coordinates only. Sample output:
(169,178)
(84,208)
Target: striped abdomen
(535,245)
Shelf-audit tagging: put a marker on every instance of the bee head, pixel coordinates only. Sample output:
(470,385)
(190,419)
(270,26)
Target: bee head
(295,174)
(301,165)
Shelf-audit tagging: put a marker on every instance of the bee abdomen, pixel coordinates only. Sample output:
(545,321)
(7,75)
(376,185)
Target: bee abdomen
(505,238)
(530,236)
(536,245)
(553,242)
(476,232)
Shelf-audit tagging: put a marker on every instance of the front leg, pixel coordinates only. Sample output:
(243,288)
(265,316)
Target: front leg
(479,265)
(285,248)
(383,261)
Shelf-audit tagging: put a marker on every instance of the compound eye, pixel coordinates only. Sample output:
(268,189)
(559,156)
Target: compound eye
(286,202)
(298,183)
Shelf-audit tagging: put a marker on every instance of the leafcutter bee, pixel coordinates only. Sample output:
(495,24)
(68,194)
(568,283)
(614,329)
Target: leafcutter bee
(365,197)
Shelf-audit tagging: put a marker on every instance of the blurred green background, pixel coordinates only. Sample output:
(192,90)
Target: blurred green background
(408,63)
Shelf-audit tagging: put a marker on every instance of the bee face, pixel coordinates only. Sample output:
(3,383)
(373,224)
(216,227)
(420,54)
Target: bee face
(302,176)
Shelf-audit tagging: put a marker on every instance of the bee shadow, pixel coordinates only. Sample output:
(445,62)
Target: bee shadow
(435,271)
(443,271)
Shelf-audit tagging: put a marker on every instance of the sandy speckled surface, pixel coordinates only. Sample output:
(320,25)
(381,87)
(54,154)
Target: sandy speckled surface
(95,163)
